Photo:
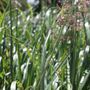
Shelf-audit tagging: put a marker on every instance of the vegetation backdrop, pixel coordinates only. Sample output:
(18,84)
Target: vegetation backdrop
(45,45)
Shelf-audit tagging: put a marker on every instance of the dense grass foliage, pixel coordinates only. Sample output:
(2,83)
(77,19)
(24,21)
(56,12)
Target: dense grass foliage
(48,50)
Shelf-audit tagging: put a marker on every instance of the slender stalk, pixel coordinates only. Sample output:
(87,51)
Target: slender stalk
(73,54)
(84,27)
(18,46)
(11,43)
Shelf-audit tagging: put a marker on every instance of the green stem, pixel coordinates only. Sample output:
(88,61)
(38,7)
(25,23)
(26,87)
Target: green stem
(11,42)
(84,27)
(17,47)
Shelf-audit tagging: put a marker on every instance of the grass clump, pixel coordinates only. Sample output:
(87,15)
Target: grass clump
(49,50)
